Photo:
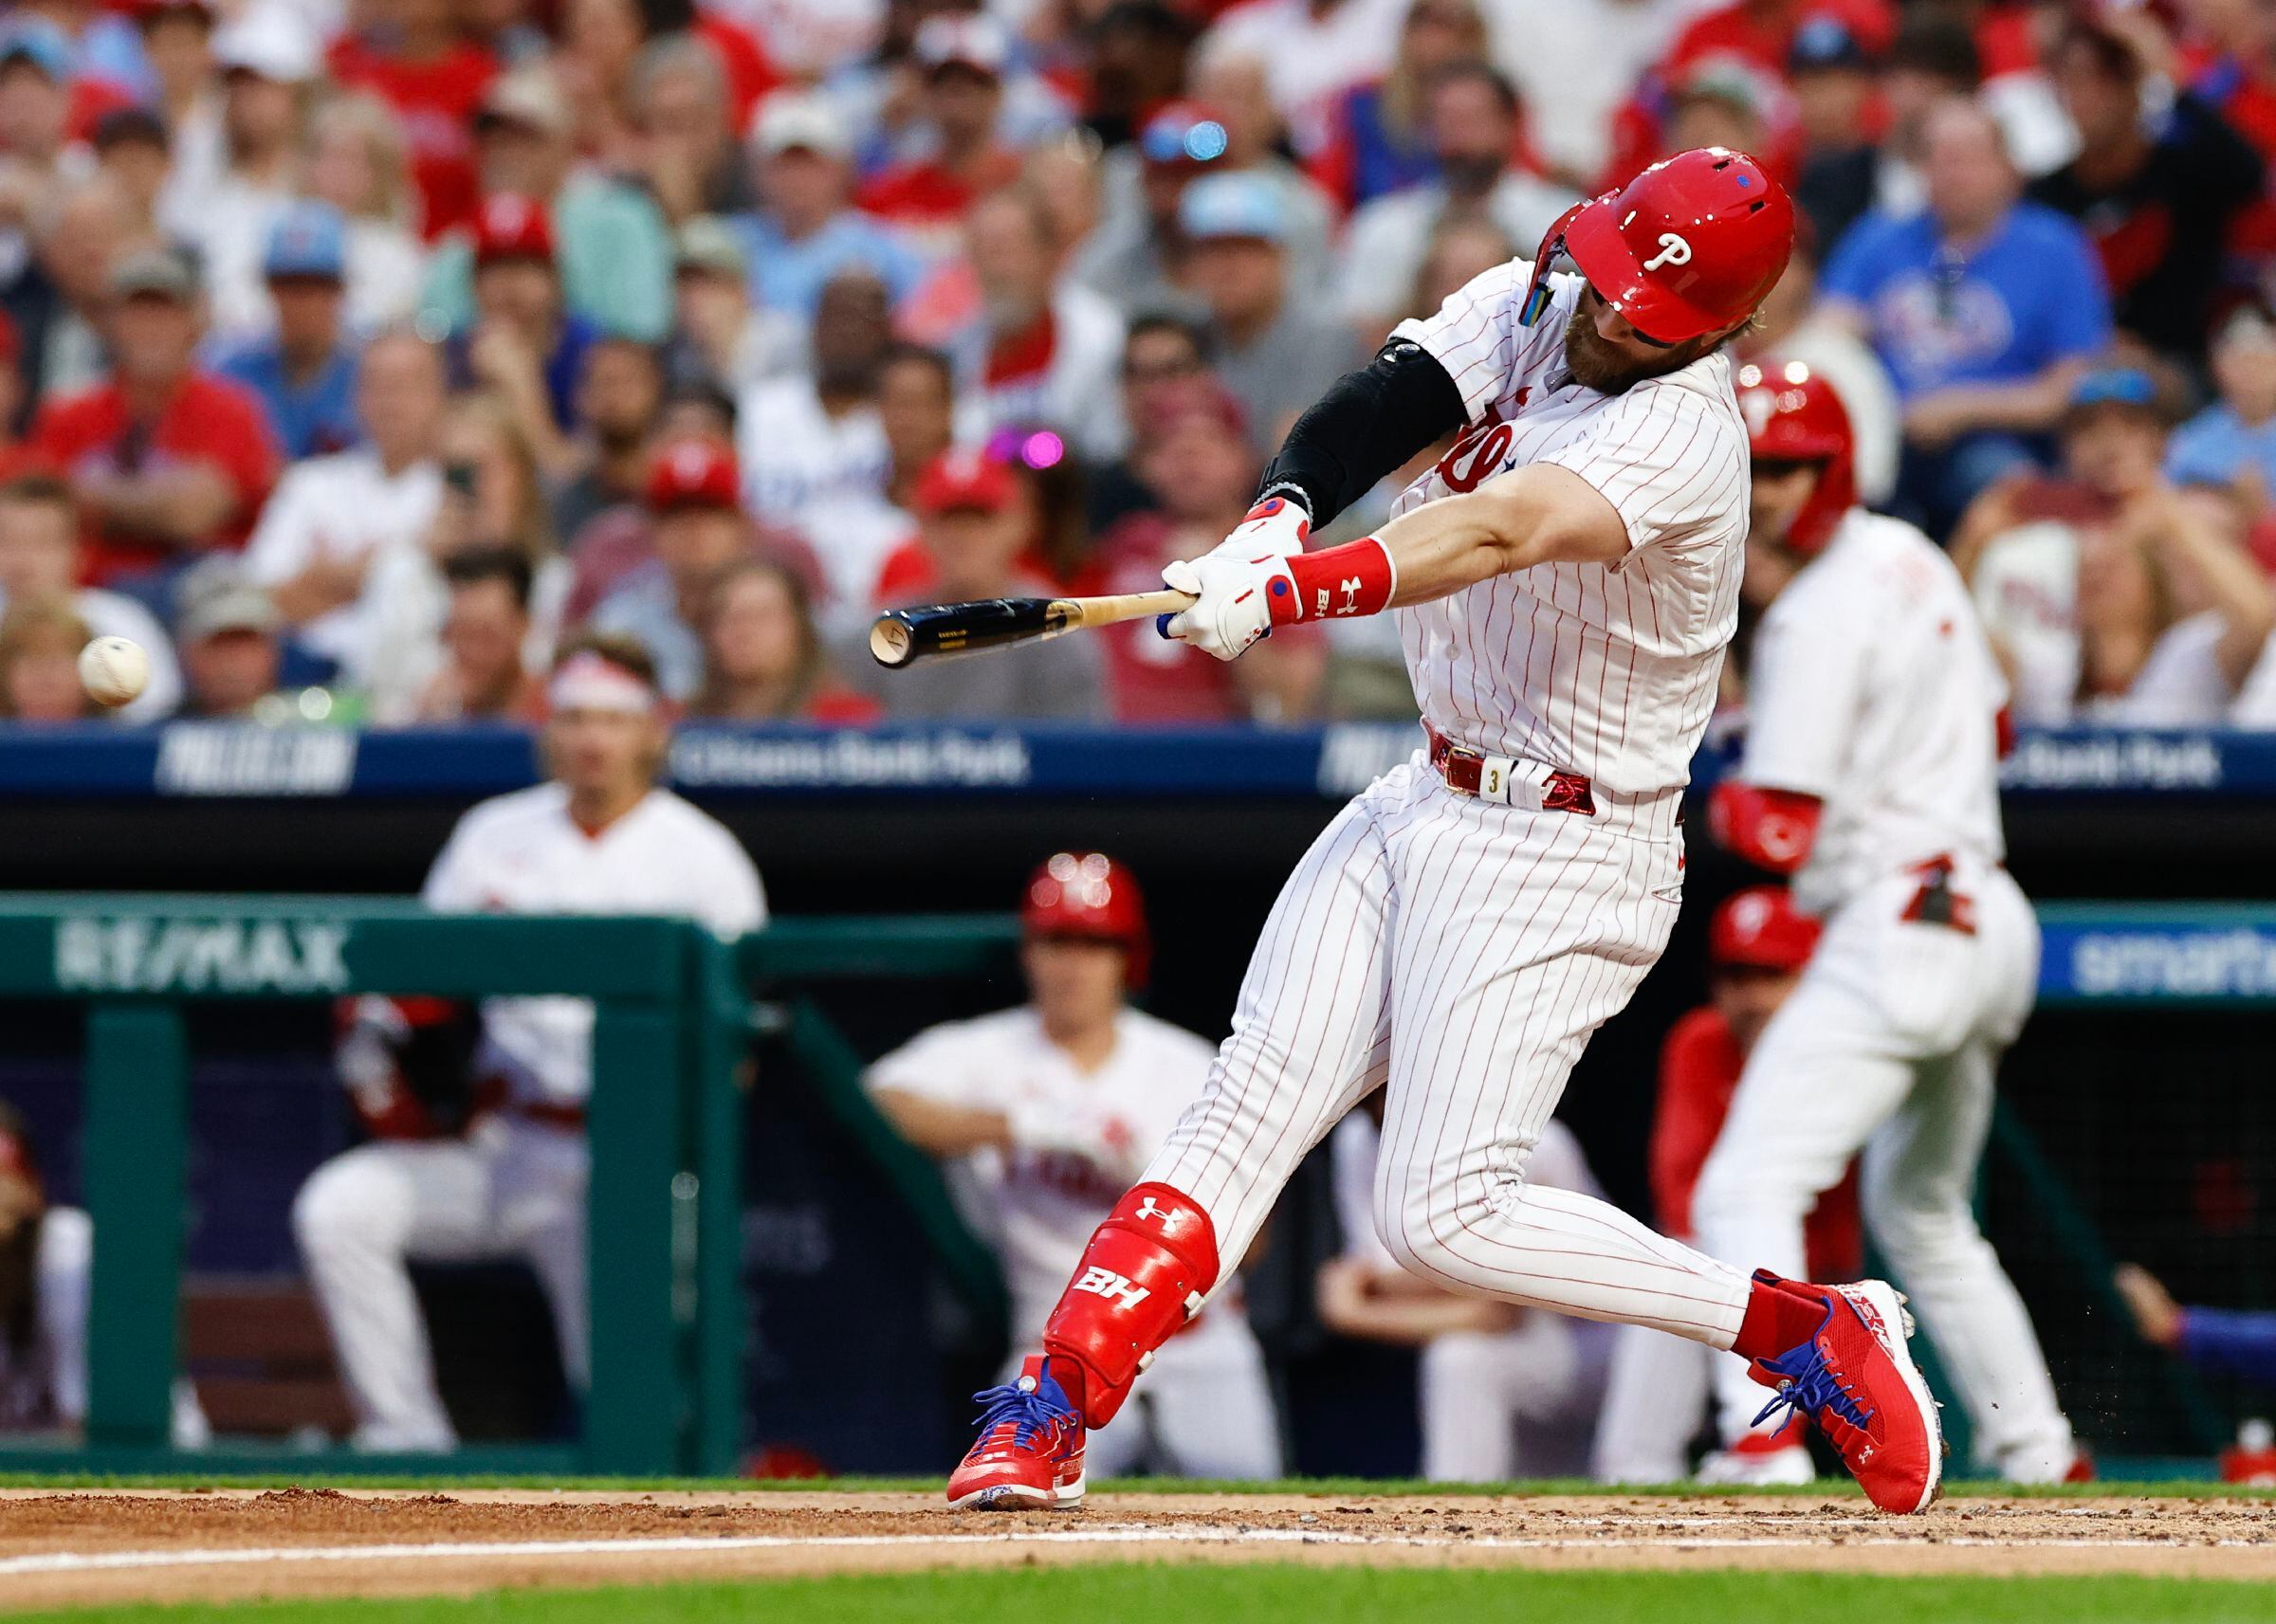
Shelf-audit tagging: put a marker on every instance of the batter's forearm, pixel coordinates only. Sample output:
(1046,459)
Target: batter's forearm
(1539,515)
(1367,424)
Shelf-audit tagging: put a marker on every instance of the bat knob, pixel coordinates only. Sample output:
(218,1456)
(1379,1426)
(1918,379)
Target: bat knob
(889,642)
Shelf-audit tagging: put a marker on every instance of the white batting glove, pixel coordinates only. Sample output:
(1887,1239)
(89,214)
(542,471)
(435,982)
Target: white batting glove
(1235,594)
(1277,524)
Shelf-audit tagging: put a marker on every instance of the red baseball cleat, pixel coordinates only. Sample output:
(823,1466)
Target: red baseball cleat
(1030,1453)
(1856,1380)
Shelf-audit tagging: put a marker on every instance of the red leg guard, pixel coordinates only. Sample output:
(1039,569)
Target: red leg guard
(1144,1271)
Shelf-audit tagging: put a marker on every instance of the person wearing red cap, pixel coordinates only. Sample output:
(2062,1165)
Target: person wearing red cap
(695,504)
(1871,774)
(525,341)
(1567,579)
(1757,943)
(975,523)
(1045,1113)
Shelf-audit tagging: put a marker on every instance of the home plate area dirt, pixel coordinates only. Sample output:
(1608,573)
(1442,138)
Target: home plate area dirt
(62,1549)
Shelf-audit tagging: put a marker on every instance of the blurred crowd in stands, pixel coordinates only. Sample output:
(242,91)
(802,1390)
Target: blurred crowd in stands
(352,352)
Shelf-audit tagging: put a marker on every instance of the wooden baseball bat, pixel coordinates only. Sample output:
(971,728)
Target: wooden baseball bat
(943,630)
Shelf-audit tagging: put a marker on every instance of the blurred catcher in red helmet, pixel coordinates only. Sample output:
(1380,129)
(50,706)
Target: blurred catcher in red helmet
(1805,463)
(1087,896)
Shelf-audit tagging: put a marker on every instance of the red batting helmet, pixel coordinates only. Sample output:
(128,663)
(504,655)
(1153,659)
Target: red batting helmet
(1760,929)
(1688,247)
(1794,416)
(1088,894)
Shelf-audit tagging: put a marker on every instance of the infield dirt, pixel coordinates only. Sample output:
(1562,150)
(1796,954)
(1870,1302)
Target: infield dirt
(64,1549)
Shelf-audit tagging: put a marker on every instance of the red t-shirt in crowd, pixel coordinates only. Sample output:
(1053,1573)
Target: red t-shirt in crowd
(436,101)
(1699,1071)
(928,195)
(209,420)
(1763,34)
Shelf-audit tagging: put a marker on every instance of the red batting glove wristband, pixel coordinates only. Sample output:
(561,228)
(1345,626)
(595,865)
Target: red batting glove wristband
(1355,578)
(1770,829)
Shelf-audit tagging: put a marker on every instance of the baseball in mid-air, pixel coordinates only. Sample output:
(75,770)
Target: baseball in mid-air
(114,671)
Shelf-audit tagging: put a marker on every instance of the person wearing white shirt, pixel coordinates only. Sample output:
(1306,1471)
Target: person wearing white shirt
(1575,62)
(1313,50)
(600,837)
(813,437)
(331,517)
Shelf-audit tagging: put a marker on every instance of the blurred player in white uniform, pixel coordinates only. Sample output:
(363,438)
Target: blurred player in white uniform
(47,1276)
(1047,1112)
(1492,1377)
(598,837)
(1568,582)
(1871,776)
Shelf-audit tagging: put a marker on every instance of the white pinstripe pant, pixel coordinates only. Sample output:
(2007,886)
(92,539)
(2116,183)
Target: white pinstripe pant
(1459,953)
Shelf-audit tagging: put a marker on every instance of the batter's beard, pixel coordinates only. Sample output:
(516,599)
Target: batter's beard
(1602,365)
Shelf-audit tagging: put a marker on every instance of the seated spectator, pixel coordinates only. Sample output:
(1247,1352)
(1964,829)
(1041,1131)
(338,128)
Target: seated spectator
(2233,442)
(1313,52)
(806,231)
(46,1278)
(357,161)
(851,536)
(526,345)
(484,677)
(1932,60)
(2109,594)
(619,390)
(39,559)
(36,77)
(1133,254)
(166,461)
(1379,140)
(974,522)
(813,436)
(493,498)
(40,640)
(332,517)
(304,373)
(1042,352)
(177,44)
(1791,326)
(1163,354)
(606,238)
(764,659)
(686,124)
(1472,119)
(413,55)
(718,336)
(59,295)
(1201,467)
(1276,354)
(133,152)
(269,67)
(2156,190)
(1984,308)
(1258,141)
(699,529)
(1138,62)
(1831,75)
(963,62)
(229,632)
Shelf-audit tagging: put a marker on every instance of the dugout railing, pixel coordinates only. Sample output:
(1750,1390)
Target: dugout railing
(678,1013)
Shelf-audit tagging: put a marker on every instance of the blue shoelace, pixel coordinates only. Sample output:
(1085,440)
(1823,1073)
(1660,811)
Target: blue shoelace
(1030,1412)
(1813,1389)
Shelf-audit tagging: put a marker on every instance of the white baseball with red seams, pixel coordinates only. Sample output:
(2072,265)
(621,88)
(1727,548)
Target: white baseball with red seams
(1459,951)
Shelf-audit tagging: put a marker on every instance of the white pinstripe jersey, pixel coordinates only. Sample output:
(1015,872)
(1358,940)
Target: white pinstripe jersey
(1872,688)
(1606,671)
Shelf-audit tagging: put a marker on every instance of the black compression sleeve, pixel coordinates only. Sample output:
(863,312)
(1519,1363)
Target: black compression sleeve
(1368,423)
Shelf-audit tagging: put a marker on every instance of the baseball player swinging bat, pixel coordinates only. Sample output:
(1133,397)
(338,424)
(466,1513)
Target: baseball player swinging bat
(940,631)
